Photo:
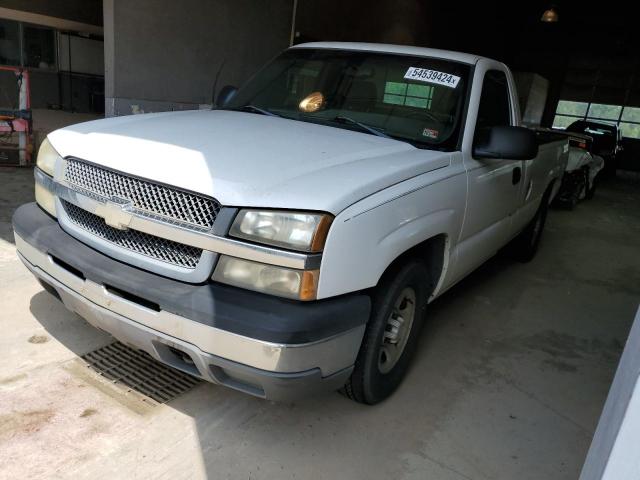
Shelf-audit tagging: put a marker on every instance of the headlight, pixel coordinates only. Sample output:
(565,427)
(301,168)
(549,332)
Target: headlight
(45,199)
(283,282)
(47,158)
(306,232)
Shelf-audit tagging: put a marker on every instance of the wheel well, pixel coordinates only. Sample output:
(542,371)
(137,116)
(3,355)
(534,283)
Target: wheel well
(430,251)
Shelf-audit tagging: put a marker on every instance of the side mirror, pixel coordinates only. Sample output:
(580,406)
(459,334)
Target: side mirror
(225,95)
(505,142)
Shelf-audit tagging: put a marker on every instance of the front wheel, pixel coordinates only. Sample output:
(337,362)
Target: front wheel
(397,315)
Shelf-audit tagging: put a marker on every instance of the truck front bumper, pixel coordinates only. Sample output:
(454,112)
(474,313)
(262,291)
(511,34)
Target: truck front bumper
(262,345)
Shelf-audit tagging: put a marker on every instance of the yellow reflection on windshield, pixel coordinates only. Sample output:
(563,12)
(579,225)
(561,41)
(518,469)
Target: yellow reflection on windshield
(312,102)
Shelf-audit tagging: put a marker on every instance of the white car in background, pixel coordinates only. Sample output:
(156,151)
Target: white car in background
(580,177)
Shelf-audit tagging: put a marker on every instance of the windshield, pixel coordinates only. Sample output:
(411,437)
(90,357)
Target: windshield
(414,99)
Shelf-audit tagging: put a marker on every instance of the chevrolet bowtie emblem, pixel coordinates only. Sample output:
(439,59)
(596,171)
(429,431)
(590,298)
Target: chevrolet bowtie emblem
(115,214)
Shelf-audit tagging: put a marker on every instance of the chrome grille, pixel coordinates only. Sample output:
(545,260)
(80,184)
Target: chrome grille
(147,197)
(167,251)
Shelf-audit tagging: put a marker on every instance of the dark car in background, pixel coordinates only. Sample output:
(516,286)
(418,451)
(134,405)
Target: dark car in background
(606,141)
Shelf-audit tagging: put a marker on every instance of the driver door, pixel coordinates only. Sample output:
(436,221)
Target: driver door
(493,185)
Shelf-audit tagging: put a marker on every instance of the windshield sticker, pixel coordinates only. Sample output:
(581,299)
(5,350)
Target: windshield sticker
(432,76)
(430,133)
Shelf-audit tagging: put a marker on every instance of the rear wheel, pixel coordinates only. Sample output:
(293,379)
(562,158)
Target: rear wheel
(571,202)
(398,312)
(590,190)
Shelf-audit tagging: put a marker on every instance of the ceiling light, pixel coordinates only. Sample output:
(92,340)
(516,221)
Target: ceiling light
(550,15)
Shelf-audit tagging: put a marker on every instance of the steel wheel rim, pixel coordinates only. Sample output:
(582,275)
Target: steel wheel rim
(397,330)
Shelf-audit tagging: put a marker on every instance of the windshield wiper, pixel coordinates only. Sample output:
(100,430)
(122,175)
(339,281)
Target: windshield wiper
(367,128)
(254,109)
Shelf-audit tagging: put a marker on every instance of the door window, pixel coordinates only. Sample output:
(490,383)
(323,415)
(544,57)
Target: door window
(494,109)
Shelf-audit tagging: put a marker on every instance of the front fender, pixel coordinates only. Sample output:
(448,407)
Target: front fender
(368,236)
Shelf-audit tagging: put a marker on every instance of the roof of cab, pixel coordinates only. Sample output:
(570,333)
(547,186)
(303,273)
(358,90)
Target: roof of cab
(400,49)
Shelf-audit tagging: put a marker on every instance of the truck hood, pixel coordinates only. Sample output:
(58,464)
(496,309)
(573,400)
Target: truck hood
(249,160)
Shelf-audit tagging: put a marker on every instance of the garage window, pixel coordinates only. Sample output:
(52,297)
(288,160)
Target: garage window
(9,42)
(598,111)
(627,118)
(630,122)
(27,45)
(568,112)
(38,45)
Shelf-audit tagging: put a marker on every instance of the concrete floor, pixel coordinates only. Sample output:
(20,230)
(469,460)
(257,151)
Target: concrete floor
(513,370)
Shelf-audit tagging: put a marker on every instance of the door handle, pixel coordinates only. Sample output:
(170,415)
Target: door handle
(516,175)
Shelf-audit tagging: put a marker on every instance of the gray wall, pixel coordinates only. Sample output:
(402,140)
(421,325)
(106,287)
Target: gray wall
(75,93)
(387,21)
(532,96)
(168,60)
(85,11)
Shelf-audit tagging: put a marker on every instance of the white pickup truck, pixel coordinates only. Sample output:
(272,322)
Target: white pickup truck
(290,240)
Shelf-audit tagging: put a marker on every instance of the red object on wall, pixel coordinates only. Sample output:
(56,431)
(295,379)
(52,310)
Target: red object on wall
(16,123)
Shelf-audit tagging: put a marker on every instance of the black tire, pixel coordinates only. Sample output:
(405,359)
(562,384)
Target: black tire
(570,203)
(590,190)
(526,244)
(368,384)
(571,189)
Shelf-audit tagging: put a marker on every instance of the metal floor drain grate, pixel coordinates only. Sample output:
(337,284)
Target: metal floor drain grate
(137,371)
